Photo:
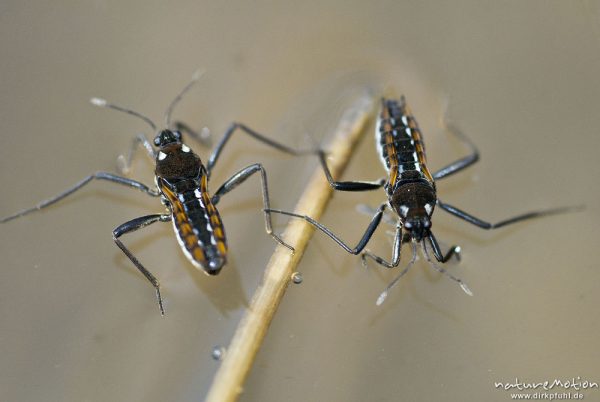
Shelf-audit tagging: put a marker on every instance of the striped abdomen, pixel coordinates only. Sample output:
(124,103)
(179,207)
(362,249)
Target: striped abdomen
(399,143)
(198,226)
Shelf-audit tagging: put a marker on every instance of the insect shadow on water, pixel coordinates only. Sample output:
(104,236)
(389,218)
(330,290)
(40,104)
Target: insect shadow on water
(181,183)
(411,194)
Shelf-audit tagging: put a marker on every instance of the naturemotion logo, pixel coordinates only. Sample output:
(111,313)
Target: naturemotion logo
(575,384)
(557,389)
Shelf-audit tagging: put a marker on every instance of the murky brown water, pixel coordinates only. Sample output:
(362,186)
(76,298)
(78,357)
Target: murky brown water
(79,323)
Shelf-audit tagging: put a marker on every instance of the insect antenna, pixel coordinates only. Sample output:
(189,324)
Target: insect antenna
(103,103)
(195,77)
(462,284)
(393,283)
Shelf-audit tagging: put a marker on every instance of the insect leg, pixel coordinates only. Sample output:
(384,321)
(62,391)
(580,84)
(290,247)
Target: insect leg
(441,270)
(398,240)
(393,283)
(437,251)
(362,242)
(348,185)
(487,225)
(238,179)
(124,162)
(100,176)
(259,137)
(203,137)
(131,226)
(462,163)
(369,210)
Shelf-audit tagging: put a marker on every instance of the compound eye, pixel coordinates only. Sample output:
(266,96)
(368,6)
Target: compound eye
(408,225)
(177,135)
(426,223)
(157,141)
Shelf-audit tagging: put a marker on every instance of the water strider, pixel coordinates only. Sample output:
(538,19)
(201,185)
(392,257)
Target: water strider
(181,183)
(411,194)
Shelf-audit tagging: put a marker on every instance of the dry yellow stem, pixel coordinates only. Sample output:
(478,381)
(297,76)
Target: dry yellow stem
(228,382)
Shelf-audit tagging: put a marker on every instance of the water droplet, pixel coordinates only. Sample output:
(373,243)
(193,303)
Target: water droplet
(297,278)
(218,352)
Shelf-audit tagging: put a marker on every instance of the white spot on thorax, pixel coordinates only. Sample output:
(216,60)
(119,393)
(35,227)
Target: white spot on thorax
(161,155)
(428,209)
(403,210)
(185,148)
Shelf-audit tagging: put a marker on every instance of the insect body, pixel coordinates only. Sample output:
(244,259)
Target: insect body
(182,184)
(411,193)
(410,187)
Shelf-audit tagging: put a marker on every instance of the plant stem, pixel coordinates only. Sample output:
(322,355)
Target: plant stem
(229,379)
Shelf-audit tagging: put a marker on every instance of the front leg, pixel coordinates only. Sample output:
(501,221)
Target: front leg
(394,282)
(238,179)
(438,257)
(124,162)
(437,251)
(369,210)
(203,137)
(398,240)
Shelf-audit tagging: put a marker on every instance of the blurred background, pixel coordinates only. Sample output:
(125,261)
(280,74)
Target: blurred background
(79,323)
